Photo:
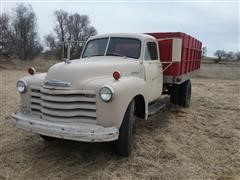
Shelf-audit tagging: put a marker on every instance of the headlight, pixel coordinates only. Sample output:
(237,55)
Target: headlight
(106,93)
(21,86)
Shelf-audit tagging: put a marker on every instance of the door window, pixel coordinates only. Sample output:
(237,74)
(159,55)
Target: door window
(151,51)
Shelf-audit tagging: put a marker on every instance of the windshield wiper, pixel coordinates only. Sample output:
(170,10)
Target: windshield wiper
(93,55)
(114,54)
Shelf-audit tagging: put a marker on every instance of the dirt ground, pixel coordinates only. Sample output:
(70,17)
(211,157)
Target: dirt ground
(200,142)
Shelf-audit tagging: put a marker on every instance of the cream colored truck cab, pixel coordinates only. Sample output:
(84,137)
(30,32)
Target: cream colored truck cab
(97,97)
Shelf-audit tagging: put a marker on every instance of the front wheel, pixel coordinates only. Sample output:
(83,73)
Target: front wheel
(124,144)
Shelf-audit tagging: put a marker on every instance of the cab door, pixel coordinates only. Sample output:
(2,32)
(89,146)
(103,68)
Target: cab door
(153,70)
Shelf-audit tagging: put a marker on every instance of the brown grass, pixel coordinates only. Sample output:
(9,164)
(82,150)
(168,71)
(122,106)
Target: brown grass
(200,142)
(39,64)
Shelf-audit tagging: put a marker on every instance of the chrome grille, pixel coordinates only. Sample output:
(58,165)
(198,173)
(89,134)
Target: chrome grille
(64,105)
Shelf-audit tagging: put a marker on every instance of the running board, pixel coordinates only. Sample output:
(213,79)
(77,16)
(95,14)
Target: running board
(155,107)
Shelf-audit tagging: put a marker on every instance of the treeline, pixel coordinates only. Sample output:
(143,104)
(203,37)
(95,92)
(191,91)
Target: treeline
(222,55)
(19,33)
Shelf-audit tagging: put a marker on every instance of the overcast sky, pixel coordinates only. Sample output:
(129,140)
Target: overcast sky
(216,24)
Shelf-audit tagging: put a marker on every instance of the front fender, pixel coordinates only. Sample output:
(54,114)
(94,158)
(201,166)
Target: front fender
(125,89)
(32,81)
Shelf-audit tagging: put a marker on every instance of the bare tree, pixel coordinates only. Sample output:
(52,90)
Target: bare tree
(6,35)
(237,55)
(219,54)
(78,30)
(60,30)
(73,28)
(19,33)
(25,34)
(50,41)
(204,51)
(229,55)
(52,47)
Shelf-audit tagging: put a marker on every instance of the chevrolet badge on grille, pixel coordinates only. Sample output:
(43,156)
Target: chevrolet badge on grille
(57,83)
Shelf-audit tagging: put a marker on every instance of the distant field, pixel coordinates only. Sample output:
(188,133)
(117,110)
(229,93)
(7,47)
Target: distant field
(220,71)
(200,142)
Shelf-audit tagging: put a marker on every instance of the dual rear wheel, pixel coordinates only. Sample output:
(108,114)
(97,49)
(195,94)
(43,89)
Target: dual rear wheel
(180,94)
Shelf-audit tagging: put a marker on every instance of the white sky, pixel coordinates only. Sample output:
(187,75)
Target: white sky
(215,23)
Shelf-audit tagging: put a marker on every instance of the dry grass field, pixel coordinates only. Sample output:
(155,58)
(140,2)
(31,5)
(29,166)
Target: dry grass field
(200,142)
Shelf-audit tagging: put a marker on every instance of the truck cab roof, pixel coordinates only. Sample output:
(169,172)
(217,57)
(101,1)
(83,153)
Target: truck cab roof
(124,35)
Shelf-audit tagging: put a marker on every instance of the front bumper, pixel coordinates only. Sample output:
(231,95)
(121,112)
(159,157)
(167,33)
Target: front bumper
(79,132)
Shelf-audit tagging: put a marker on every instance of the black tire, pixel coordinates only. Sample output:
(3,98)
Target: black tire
(47,138)
(174,94)
(185,92)
(124,144)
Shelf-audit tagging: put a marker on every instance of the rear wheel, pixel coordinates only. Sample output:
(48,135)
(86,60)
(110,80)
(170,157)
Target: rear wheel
(174,94)
(185,94)
(181,94)
(124,143)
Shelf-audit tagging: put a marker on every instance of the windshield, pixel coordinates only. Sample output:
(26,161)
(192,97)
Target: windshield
(126,47)
(95,47)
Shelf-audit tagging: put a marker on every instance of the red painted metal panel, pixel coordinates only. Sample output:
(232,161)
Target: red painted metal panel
(191,53)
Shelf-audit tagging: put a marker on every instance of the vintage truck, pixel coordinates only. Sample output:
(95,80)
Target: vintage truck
(118,77)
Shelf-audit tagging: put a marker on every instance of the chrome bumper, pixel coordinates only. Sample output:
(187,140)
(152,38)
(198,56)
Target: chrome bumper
(79,132)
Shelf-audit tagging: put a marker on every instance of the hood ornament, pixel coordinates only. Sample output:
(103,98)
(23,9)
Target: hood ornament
(57,83)
(66,60)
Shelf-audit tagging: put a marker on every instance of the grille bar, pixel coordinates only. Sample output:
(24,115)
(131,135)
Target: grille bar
(76,119)
(36,94)
(35,106)
(64,105)
(68,113)
(72,98)
(36,100)
(67,105)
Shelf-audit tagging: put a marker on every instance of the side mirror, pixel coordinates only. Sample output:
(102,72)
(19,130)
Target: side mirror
(176,49)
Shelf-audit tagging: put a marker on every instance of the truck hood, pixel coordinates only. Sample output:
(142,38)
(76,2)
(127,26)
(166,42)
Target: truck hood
(81,71)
